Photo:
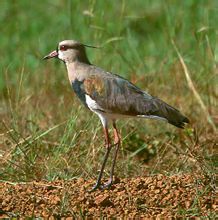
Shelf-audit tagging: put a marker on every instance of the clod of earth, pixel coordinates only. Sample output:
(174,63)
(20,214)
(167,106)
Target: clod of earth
(137,197)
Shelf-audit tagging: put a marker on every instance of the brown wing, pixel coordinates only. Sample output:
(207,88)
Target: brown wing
(117,95)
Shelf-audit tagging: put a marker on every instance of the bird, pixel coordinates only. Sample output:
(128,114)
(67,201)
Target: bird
(111,97)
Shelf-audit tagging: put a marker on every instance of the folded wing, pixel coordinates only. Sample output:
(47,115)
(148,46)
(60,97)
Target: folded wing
(118,96)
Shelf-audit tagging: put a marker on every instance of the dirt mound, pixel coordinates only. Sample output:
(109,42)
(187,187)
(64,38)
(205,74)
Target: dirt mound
(159,195)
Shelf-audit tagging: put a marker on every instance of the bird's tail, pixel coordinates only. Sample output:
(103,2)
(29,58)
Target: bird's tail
(172,115)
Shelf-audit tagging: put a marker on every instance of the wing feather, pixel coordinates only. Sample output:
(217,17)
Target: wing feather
(118,96)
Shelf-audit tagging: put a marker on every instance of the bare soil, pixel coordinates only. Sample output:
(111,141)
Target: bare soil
(160,196)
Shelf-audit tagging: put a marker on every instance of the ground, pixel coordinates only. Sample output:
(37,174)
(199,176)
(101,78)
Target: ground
(159,195)
(48,140)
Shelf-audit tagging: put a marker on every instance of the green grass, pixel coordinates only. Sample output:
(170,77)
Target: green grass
(47,134)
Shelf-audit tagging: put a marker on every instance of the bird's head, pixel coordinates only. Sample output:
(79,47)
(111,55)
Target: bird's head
(70,51)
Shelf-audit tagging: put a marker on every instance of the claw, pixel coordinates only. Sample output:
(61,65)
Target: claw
(102,187)
(107,185)
(95,187)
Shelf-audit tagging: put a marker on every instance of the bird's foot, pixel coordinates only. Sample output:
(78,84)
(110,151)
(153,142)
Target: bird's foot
(107,185)
(102,186)
(95,187)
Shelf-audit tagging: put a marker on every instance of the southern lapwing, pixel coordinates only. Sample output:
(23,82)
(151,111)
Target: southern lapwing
(110,96)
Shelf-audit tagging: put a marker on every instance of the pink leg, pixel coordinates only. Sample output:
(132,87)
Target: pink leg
(108,149)
(117,144)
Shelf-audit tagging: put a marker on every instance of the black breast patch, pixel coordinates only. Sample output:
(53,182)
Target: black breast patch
(79,90)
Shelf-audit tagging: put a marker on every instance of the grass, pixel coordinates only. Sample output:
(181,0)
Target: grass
(45,133)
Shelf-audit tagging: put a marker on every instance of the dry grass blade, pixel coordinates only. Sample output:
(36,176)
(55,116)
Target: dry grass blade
(40,184)
(28,140)
(193,89)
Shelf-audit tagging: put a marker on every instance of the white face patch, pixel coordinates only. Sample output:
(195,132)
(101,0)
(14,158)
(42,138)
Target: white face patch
(66,55)
(60,55)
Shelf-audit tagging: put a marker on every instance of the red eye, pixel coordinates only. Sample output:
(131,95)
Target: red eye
(63,47)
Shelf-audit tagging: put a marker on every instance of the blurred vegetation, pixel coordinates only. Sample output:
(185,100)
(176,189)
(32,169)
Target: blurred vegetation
(46,134)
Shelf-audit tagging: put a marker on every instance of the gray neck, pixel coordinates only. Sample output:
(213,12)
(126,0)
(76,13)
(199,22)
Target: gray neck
(81,56)
(77,70)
